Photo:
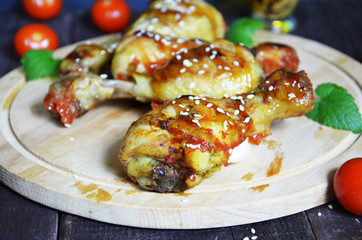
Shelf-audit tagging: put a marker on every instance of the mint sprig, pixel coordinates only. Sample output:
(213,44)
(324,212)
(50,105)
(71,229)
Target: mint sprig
(336,108)
(242,30)
(40,63)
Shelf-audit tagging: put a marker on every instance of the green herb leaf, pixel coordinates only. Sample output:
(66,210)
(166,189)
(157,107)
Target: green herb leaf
(39,63)
(243,30)
(336,108)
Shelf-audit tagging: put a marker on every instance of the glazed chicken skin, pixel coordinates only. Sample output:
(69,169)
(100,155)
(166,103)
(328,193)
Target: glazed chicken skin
(208,69)
(181,19)
(175,146)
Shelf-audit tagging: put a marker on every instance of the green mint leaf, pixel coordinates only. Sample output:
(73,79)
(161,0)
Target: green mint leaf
(39,63)
(242,30)
(336,108)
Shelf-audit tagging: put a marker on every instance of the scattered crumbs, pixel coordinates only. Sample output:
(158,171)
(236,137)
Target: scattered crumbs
(319,214)
(254,237)
(246,238)
(330,206)
(252,231)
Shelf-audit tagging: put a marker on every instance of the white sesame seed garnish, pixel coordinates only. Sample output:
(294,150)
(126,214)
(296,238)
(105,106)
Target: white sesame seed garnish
(191,98)
(250,96)
(330,206)
(192,85)
(246,238)
(187,63)
(200,72)
(236,63)
(243,131)
(241,107)
(197,102)
(247,120)
(178,57)
(207,49)
(220,110)
(197,122)
(182,70)
(184,113)
(197,115)
(252,230)
(319,214)
(209,105)
(254,237)
(236,112)
(212,57)
(226,96)
(219,67)
(271,88)
(227,68)
(182,106)
(173,102)
(226,125)
(195,60)
(181,23)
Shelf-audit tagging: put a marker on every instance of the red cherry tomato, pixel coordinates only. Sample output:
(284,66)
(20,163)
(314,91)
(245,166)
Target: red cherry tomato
(348,185)
(42,9)
(110,15)
(35,36)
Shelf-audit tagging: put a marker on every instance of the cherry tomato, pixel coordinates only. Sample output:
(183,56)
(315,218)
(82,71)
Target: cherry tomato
(35,36)
(42,9)
(348,185)
(110,15)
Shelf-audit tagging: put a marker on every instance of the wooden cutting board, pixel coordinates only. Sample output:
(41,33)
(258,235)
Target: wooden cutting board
(76,169)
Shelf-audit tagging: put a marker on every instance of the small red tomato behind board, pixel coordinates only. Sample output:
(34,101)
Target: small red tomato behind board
(110,15)
(35,36)
(42,9)
(347,185)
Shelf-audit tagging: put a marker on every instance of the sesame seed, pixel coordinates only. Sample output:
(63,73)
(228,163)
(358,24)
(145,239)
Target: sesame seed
(209,105)
(236,112)
(226,125)
(201,72)
(247,120)
(212,57)
(182,106)
(173,102)
(271,88)
(150,28)
(330,206)
(236,63)
(178,57)
(246,238)
(250,96)
(195,60)
(219,67)
(220,110)
(205,65)
(254,237)
(187,63)
(157,37)
(182,70)
(197,122)
(181,23)
(226,96)
(241,107)
(252,231)
(197,115)
(207,49)
(227,68)
(184,113)
(319,214)
(192,85)
(197,102)
(243,131)
(191,98)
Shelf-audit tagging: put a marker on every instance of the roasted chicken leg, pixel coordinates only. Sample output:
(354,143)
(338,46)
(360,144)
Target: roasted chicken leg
(174,147)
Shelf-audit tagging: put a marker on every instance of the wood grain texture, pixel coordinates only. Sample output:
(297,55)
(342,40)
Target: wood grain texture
(76,169)
(21,218)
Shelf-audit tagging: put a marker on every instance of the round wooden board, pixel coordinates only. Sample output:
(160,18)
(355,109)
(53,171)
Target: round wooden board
(76,169)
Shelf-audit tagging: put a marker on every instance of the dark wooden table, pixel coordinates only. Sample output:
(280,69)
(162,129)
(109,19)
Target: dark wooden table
(337,23)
